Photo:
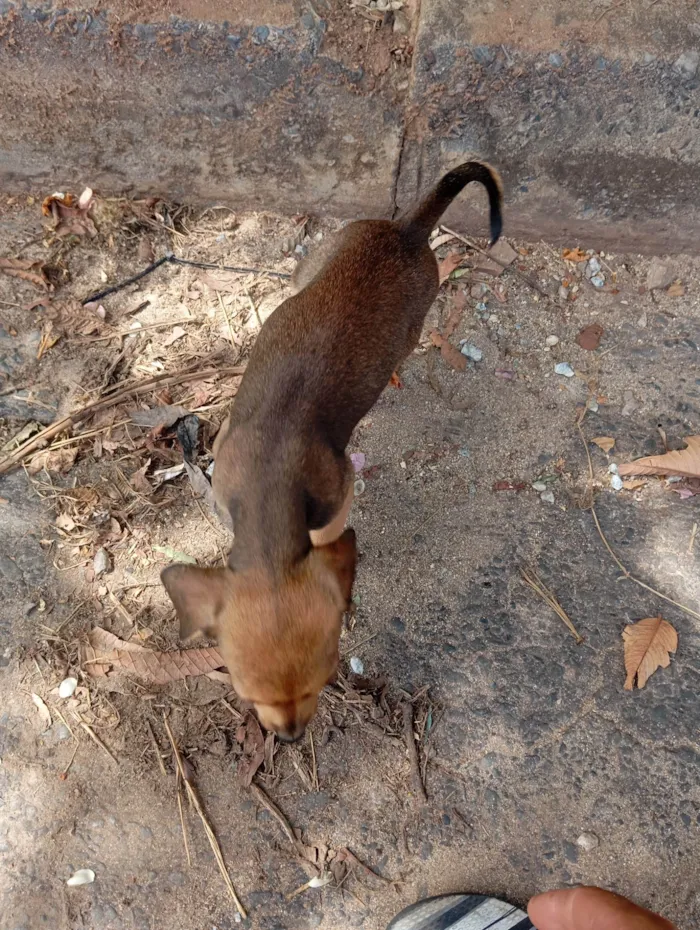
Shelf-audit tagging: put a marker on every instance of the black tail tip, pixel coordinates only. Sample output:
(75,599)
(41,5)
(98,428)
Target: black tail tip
(496,228)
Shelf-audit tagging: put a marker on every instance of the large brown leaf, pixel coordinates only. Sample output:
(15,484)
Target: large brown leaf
(449,263)
(683,462)
(647,647)
(106,655)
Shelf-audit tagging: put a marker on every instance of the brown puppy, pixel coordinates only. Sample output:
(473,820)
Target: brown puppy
(320,362)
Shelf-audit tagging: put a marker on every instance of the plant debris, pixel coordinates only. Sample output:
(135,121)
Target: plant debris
(251,739)
(682,462)
(81,877)
(29,270)
(606,443)
(105,655)
(590,336)
(448,264)
(647,646)
(574,255)
(451,355)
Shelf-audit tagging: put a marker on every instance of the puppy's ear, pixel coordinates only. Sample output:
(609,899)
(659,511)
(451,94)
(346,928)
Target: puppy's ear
(341,557)
(198,595)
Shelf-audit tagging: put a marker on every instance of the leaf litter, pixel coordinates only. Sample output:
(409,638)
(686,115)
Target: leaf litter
(105,655)
(647,646)
(684,463)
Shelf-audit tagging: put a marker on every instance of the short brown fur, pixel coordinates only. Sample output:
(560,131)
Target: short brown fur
(320,362)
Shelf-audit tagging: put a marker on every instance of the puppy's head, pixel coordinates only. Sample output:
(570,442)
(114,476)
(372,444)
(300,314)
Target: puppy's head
(279,638)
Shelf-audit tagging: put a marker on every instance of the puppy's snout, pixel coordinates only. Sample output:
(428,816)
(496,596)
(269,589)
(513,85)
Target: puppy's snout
(291,736)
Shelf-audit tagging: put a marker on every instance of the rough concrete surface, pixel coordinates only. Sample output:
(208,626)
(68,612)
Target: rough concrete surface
(532,742)
(337,108)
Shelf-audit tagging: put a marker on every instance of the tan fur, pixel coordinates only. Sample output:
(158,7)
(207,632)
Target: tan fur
(320,362)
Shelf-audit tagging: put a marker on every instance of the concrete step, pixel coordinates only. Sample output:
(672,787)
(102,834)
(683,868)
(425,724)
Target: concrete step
(591,112)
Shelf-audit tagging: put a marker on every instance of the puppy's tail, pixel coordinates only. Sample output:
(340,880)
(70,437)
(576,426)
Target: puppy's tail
(423,218)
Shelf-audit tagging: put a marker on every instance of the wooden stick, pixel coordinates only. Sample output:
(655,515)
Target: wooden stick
(116,395)
(272,808)
(407,715)
(492,258)
(182,818)
(627,574)
(213,842)
(95,738)
(533,580)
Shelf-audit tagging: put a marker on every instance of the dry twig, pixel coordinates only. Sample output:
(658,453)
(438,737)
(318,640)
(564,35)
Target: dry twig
(533,580)
(116,395)
(492,258)
(213,842)
(271,807)
(407,717)
(627,574)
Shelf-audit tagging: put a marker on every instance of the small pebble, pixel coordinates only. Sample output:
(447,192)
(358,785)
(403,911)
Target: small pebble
(592,405)
(563,368)
(588,841)
(357,665)
(358,460)
(62,731)
(359,487)
(547,497)
(481,306)
(67,687)
(612,468)
(616,483)
(81,877)
(593,267)
(100,562)
(598,280)
(472,352)
(563,292)
(539,486)
(551,341)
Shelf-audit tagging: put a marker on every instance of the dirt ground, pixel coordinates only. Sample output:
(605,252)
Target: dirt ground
(540,770)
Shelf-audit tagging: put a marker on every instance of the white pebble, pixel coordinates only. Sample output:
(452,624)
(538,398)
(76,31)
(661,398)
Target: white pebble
(67,687)
(616,483)
(81,877)
(359,487)
(357,665)
(592,405)
(539,486)
(612,468)
(588,841)
(547,497)
(100,562)
(551,340)
(563,368)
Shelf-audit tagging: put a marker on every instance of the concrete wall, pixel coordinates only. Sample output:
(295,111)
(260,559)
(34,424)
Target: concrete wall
(591,112)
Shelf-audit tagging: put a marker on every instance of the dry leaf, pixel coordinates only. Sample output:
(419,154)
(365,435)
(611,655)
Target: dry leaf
(54,460)
(177,333)
(65,522)
(44,712)
(459,302)
(676,290)
(634,484)
(105,655)
(604,442)
(590,336)
(574,255)
(452,356)
(395,381)
(683,462)
(506,485)
(251,737)
(138,480)
(22,268)
(159,417)
(647,647)
(688,488)
(451,261)
(200,484)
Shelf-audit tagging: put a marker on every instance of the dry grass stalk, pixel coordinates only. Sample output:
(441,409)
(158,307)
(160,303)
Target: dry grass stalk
(182,818)
(115,396)
(533,580)
(627,574)
(95,738)
(213,842)
(409,736)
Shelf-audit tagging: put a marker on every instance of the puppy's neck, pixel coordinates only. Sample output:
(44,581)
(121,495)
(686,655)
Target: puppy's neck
(270,529)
